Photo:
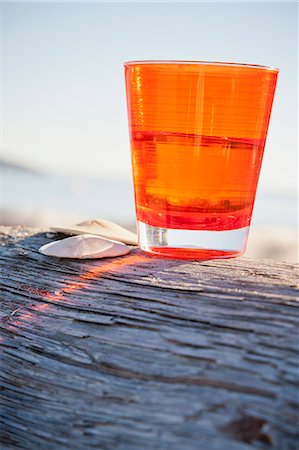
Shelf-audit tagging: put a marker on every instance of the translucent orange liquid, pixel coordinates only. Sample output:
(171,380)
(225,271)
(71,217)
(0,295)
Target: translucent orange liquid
(198,132)
(195,182)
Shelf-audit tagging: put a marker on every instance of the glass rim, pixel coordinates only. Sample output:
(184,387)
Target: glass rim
(200,63)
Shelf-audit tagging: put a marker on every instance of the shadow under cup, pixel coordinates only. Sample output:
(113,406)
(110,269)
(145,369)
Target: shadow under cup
(198,132)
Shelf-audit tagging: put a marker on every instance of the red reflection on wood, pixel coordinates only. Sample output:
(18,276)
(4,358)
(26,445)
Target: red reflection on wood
(70,287)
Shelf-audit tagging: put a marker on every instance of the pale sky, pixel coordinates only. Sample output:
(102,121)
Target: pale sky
(63,93)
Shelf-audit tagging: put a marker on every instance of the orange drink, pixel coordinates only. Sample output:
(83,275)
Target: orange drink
(198,132)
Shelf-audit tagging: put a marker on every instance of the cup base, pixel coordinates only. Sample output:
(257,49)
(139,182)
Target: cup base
(192,244)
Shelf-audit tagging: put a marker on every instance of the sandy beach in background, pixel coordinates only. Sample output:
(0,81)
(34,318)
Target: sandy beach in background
(42,200)
(280,244)
(265,242)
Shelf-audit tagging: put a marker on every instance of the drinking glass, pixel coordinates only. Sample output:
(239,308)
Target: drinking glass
(198,131)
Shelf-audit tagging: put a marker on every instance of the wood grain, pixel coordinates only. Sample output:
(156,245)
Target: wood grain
(143,353)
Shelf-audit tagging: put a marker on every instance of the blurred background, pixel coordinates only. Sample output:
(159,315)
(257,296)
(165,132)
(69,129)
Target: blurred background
(64,134)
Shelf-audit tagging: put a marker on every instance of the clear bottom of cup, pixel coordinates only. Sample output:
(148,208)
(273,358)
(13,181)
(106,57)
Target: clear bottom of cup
(192,244)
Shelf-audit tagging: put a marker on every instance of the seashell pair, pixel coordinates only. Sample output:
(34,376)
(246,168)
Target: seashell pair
(96,238)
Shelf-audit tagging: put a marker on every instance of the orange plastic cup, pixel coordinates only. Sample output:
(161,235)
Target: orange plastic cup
(198,131)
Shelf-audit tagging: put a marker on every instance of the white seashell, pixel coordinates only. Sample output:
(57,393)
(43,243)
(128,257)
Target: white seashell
(84,246)
(100,227)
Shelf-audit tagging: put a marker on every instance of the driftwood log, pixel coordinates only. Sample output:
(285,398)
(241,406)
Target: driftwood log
(142,353)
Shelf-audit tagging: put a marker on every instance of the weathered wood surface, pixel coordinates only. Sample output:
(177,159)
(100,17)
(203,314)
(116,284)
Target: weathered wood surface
(143,353)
